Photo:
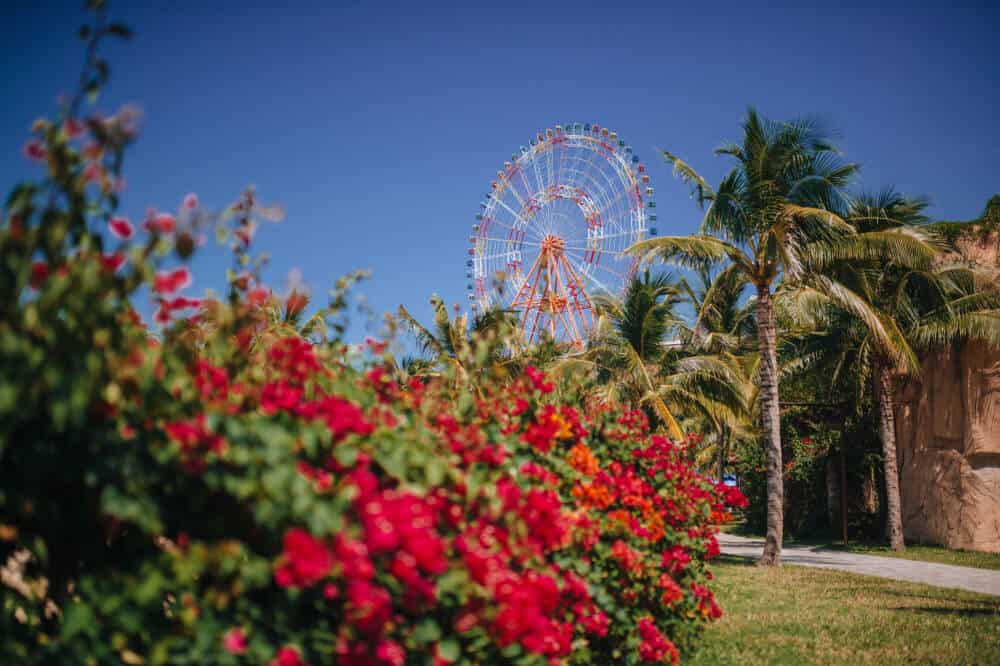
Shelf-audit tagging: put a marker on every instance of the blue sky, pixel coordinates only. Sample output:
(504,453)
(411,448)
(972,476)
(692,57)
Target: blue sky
(379,126)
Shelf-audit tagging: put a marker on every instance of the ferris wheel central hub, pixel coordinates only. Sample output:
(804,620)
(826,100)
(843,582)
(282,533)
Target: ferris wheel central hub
(553,246)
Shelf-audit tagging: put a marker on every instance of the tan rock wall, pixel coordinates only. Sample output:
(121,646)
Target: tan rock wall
(948,426)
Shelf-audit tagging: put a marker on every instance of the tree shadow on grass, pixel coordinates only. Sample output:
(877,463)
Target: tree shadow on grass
(946,610)
(956,607)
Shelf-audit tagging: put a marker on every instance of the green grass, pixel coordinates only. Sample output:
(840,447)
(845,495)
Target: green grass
(917,552)
(798,615)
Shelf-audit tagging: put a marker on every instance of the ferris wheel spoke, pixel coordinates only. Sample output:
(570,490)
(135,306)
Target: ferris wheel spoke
(508,240)
(599,265)
(530,230)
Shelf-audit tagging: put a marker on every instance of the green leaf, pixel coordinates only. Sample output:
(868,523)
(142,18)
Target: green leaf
(346,454)
(78,619)
(449,649)
(427,631)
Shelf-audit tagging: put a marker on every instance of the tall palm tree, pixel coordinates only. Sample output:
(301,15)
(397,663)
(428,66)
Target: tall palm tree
(921,301)
(779,203)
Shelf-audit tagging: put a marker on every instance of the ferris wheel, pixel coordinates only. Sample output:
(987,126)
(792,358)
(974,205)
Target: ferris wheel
(553,228)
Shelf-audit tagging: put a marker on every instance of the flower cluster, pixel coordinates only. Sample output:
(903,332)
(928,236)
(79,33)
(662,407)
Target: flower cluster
(289,499)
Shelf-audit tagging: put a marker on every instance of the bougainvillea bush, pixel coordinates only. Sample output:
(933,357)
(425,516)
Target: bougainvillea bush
(240,487)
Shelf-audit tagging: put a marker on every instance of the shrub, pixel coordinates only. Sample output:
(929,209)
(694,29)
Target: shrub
(244,488)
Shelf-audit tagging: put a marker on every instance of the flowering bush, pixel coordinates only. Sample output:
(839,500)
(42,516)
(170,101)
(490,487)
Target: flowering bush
(245,488)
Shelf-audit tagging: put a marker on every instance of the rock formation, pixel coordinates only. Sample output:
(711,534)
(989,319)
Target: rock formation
(948,424)
(948,429)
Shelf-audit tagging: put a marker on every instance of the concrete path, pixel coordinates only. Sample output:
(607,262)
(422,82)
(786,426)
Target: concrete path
(984,581)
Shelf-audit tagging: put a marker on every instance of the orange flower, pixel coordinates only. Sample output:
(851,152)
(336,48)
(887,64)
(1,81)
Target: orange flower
(582,459)
(564,429)
(593,495)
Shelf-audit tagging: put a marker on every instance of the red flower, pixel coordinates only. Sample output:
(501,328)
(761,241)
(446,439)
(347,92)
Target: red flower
(627,558)
(655,646)
(306,560)
(112,262)
(390,653)
(370,606)
(537,378)
(258,296)
(672,592)
(121,228)
(675,559)
(234,641)
(167,282)
(39,271)
(287,656)
(191,201)
(35,150)
(195,440)
(210,380)
(279,397)
(181,303)
(596,623)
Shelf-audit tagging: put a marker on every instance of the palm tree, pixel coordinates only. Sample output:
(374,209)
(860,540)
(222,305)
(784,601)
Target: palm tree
(630,338)
(634,360)
(723,324)
(780,198)
(921,301)
(452,342)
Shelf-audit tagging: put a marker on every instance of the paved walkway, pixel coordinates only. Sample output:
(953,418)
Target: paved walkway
(984,581)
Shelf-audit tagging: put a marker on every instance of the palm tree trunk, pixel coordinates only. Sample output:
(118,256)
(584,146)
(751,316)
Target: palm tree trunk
(771,425)
(722,451)
(887,431)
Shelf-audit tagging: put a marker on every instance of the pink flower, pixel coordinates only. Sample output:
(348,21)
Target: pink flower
(72,128)
(121,228)
(35,150)
(93,172)
(191,201)
(235,641)
(161,223)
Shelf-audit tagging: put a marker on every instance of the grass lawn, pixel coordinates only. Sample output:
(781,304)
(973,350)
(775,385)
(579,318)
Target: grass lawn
(921,553)
(798,615)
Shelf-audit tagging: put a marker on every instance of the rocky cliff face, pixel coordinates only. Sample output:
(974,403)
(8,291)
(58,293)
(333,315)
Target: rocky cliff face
(948,427)
(948,424)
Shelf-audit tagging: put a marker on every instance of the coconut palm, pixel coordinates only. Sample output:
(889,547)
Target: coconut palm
(922,301)
(637,355)
(778,205)
(629,341)
(452,342)
(723,327)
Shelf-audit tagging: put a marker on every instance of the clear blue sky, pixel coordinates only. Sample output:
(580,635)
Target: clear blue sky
(379,126)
